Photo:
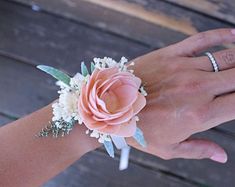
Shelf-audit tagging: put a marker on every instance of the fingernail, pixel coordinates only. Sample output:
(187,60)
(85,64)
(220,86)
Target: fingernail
(233,31)
(219,157)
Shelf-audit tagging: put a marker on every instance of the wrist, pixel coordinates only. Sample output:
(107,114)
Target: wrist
(77,141)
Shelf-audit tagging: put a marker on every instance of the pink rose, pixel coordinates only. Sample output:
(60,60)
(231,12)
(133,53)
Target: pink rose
(110,100)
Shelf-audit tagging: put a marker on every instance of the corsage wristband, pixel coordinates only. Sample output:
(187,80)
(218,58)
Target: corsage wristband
(107,101)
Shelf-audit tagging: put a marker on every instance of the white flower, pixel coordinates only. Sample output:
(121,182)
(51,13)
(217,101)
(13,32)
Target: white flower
(76,81)
(66,107)
(143,92)
(105,62)
(100,136)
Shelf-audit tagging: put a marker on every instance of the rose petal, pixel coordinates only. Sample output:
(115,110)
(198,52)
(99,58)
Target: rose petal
(86,116)
(124,118)
(139,103)
(126,95)
(102,104)
(92,95)
(110,129)
(107,73)
(111,101)
(111,116)
(95,126)
(127,129)
(128,79)
(111,84)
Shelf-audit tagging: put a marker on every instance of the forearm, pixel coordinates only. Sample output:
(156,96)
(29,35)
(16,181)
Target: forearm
(26,160)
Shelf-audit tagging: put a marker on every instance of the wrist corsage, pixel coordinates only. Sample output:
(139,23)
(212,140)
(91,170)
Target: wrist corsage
(107,101)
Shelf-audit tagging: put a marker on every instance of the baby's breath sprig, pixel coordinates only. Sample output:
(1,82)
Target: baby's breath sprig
(57,128)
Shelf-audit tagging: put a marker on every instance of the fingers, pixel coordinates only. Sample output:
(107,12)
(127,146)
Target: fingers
(202,41)
(225,60)
(200,149)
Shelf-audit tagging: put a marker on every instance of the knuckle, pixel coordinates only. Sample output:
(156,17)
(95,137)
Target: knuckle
(201,37)
(228,57)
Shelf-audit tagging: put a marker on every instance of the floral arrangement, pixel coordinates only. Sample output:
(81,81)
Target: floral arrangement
(107,101)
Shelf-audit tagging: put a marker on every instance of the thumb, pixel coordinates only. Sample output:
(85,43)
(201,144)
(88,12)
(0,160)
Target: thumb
(199,149)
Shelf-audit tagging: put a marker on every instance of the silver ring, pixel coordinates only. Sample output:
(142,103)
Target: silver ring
(213,61)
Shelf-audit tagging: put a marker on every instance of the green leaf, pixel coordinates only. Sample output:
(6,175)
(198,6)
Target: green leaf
(139,137)
(84,69)
(92,67)
(59,75)
(109,148)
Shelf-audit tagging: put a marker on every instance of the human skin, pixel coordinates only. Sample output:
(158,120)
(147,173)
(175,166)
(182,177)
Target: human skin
(184,97)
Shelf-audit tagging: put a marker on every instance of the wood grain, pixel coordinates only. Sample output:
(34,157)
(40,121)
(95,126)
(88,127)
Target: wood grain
(135,10)
(99,170)
(40,37)
(4,120)
(220,9)
(107,18)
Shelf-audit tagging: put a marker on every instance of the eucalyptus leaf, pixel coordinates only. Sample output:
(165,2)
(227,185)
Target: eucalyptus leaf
(59,75)
(92,67)
(139,137)
(84,69)
(109,148)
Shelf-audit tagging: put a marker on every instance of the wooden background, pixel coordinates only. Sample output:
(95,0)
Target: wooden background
(62,33)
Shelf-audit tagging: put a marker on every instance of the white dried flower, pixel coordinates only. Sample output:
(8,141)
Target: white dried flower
(66,107)
(143,92)
(76,81)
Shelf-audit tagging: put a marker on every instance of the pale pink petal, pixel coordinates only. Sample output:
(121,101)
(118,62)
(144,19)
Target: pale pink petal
(95,126)
(111,116)
(92,95)
(97,113)
(124,118)
(128,79)
(126,96)
(139,103)
(86,116)
(102,104)
(106,73)
(92,80)
(111,101)
(110,129)
(127,129)
(111,85)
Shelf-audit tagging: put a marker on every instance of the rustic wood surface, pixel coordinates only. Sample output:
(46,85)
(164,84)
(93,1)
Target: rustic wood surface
(62,34)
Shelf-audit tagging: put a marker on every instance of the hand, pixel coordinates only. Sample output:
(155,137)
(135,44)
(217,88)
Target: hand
(185,96)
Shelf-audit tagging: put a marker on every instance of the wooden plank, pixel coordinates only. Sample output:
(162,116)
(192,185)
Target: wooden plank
(150,18)
(24,89)
(4,120)
(99,170)
(220,9)
(39,38)
(179,166)
(138,11)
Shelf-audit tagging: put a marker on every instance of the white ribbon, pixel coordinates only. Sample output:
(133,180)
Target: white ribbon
(120,143)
